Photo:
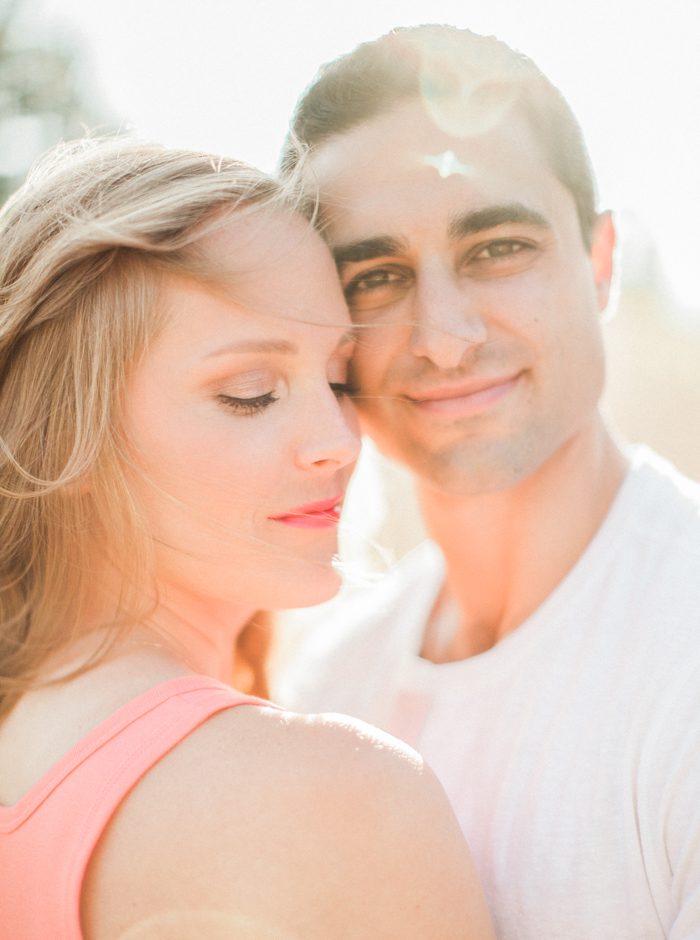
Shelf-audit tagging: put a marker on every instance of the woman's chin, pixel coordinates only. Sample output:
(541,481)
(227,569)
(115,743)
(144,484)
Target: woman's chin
(310,588)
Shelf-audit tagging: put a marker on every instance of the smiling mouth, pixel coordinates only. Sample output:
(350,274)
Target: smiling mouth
(321,515)
(470,398)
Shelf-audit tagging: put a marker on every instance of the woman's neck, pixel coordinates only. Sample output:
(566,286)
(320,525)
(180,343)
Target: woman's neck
(198,632)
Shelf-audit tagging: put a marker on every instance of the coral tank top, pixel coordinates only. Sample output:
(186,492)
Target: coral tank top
(48,836)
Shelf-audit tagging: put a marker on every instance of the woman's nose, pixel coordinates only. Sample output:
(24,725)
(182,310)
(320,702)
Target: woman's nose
(332,440)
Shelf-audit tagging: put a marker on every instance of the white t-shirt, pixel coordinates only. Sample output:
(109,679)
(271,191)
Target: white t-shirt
(571,750)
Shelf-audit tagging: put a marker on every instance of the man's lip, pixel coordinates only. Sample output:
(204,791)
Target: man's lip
(468,399)
(463,390)
(325,512)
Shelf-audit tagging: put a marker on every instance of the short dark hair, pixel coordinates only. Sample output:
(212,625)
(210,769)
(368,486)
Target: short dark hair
(433,61)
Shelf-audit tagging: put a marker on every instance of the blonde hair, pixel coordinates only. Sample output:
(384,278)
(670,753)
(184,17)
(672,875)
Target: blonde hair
(82,246)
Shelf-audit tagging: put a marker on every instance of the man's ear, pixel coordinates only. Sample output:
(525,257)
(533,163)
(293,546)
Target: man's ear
(602,254)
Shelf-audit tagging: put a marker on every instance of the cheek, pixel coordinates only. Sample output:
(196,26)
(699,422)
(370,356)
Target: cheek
(377,349)
(225,468)
(204,461)
(554,313)
(352,418)
(568,345)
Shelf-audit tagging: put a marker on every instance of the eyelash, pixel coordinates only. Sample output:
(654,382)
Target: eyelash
(343,389)
(515,244)
(248,406)
(251,406)
(373,280)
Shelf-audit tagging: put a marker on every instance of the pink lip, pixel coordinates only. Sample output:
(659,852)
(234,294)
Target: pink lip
(321,515)
(469,398)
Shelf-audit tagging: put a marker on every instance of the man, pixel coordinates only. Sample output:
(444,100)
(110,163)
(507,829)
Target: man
(543,651)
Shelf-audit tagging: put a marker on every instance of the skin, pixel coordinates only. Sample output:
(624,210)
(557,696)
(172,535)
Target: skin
(300,820)
(480,361)
(238,414)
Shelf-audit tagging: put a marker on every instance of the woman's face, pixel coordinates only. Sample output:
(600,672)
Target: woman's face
(239,417)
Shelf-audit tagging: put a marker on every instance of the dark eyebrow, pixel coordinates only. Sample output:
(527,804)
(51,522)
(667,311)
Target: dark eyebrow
(368,248)
(469,223)
(253,345)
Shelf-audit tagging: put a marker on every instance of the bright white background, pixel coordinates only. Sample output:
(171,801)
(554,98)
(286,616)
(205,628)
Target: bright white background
(223,75)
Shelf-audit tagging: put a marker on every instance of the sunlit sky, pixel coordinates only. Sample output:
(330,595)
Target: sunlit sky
(223,76)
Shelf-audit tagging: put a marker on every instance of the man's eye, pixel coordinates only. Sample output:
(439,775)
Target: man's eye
(247,406)
(376,289)
(502,248)
(373,280)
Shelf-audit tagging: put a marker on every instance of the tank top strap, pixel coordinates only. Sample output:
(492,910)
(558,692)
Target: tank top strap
(61,820)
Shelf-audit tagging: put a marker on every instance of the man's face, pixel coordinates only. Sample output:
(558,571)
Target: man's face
(463,260)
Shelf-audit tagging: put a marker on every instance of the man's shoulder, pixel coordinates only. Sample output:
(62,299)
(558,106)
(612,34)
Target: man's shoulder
(658,473)
(663,504)
(650,577)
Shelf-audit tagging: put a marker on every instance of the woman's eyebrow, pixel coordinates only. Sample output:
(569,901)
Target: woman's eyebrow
(254,345)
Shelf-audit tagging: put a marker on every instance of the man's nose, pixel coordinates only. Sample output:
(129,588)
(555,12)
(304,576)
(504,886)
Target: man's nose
(447,321)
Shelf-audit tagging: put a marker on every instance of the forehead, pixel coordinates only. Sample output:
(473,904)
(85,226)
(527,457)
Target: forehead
(272,261)
(406,165)
(238,244)
(264,276)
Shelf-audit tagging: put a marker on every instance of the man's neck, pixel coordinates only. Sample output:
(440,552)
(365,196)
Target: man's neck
(506,551)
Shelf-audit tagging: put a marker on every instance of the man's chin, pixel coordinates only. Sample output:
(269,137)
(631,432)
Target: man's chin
(468,471)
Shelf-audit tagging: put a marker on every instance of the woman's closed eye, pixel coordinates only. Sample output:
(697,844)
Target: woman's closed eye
(343,389)
(249,393)
(258,403)
(248,406)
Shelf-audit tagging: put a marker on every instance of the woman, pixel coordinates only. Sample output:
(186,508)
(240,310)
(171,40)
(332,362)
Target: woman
(176,442)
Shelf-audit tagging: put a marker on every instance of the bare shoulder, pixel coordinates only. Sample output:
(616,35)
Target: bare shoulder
(285,825)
